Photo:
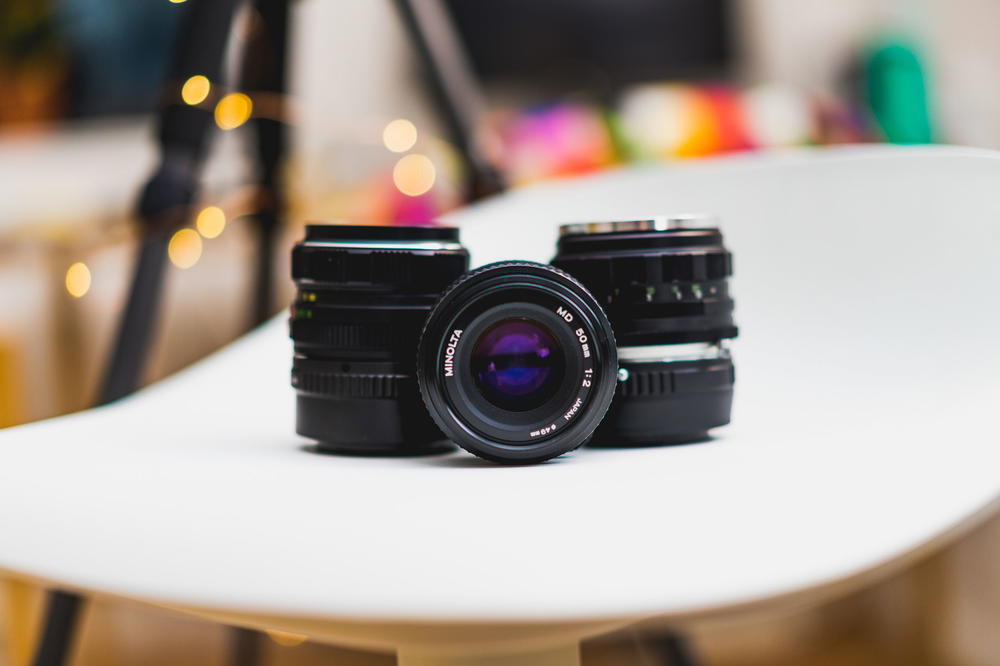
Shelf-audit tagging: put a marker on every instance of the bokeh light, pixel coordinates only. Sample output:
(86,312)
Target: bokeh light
(78,279)
(195,90)
(184,249)
(233,110)
(399,135)
(211,221)
(414,175)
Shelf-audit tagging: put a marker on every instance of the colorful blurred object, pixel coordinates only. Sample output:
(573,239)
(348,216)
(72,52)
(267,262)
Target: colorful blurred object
(659,121)
(669,121)
(555,141)
(896,90)
(674,121)
(780,117)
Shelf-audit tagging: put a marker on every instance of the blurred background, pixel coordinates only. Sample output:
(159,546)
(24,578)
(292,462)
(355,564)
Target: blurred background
(555,89)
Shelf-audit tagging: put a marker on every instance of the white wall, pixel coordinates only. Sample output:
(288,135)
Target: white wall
(353,70)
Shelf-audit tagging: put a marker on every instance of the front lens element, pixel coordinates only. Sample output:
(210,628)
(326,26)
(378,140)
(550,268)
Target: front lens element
(517,364)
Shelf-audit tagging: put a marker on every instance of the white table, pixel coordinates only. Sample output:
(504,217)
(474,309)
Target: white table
(864,433)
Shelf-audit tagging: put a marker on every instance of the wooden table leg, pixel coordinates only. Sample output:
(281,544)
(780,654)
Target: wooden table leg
(20,605)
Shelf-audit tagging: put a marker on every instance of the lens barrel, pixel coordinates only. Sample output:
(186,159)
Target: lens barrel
(363,293)
(664,283)
(517,362)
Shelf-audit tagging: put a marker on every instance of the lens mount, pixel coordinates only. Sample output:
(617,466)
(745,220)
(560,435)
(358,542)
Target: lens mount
(668,402)
(517,362)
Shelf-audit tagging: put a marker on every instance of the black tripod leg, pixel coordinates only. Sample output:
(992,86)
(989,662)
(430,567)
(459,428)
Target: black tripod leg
(676,650)
(164,205)
(135,330)
(165,202)
(265,76)
(61,618)
(267,228)
(454,90)
(246,647)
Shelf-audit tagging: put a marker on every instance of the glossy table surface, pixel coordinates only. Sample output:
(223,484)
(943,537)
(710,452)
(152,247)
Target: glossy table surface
(864,431)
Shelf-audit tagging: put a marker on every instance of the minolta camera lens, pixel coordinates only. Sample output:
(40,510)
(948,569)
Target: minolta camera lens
(363,293)
(664,284)
(517,362)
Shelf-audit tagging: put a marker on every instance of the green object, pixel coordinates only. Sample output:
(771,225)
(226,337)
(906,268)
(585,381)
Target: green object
(896,88)
(624,151)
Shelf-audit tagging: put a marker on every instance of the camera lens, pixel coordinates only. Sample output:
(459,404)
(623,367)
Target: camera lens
(363,294)
(664,285)
(517,362)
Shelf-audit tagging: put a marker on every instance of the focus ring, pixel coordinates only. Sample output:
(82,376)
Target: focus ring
(412,272)
(353,336)
(342,336)
(350,384)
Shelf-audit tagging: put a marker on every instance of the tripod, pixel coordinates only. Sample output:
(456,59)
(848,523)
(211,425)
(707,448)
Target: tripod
(165,203)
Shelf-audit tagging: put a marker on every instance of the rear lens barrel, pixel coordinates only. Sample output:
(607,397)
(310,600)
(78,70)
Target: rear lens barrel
(363,294)
(664,284)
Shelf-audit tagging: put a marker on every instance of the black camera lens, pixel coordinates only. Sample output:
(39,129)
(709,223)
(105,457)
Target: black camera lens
(664,283)
(517,362)
(363,295)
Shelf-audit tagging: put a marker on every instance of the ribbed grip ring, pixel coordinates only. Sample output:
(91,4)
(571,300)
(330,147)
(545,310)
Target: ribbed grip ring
(358,336)
(351,384)
(651,268)
(660,379)
(404,270)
